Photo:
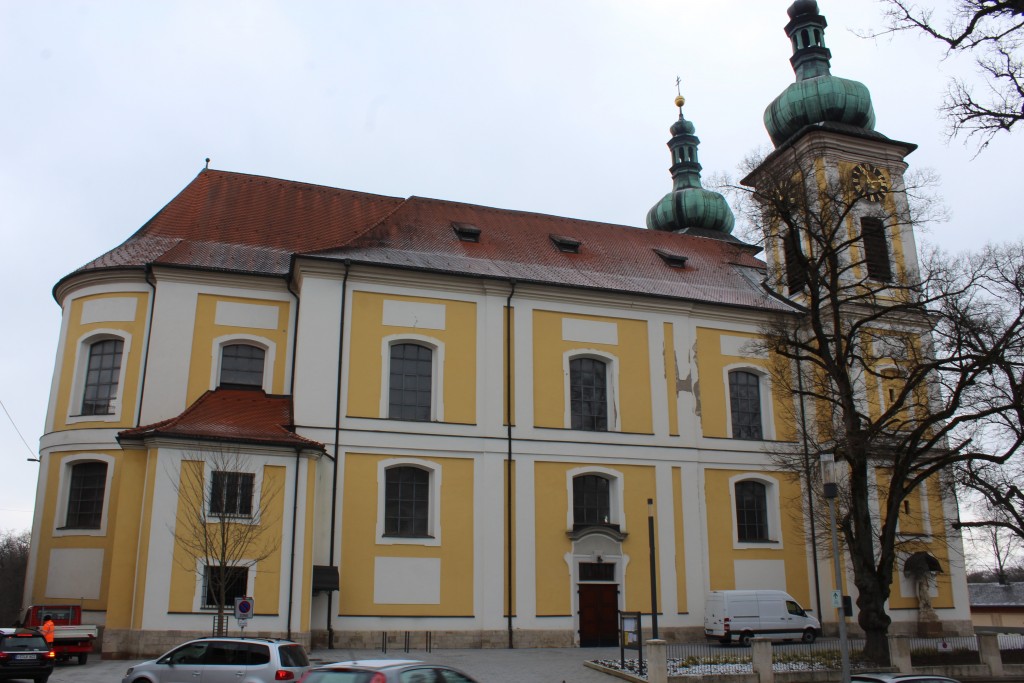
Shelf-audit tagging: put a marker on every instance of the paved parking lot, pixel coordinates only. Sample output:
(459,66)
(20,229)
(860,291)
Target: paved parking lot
(488,666)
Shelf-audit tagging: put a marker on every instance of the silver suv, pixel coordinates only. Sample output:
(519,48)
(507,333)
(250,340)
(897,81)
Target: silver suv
(225,660)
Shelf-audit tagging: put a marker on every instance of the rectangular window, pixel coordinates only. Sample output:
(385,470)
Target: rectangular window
(85,495)
(102,376)
(876,249)
(233,581)
(588,394)
(411,376)
(231,493)
(407,502)
(597,571)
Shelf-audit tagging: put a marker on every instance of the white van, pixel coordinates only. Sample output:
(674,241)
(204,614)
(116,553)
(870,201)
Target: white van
(745,614)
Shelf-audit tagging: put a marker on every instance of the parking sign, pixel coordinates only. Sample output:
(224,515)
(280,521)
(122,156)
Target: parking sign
(244,608)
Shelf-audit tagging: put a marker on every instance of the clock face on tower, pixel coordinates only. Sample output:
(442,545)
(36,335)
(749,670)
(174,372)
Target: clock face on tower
(869,182)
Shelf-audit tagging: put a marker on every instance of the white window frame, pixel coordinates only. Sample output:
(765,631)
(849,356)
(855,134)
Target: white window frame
(436,369)
(269,350)
(616,504)
(64,491)
(77,396)
(772,509)
(200,594)
(434,509)
(611,378)
(764,393)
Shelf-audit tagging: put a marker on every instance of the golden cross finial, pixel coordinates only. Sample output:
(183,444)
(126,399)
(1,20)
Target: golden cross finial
(680,100)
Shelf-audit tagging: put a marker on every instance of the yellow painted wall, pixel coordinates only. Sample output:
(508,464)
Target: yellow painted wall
(308,534)
(367,360)
(359,547)
(714,390)
(207,329)
(48,542)
(671,377)
(677,510)
(131,363)
(551,498)
(721,553)
(267,585)
(549,373)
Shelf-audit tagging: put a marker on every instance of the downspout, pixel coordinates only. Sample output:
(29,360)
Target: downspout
(508,459)
(295,515)
(337,446)
(810,493)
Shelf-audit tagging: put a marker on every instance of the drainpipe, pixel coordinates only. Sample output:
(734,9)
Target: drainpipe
(508,459)
(337,446)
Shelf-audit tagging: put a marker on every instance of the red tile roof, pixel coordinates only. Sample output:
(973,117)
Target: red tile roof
(251,224)
(236,415)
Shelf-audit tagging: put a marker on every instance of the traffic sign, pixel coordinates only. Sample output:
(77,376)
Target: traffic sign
(837,599)
(244,608)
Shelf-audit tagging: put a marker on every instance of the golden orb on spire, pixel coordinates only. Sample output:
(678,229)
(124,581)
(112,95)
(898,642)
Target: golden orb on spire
(680,100)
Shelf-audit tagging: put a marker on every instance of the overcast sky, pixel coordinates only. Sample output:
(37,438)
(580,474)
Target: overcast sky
(561,107)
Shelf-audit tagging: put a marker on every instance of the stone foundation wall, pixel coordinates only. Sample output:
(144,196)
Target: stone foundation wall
(442,640)
(128,644)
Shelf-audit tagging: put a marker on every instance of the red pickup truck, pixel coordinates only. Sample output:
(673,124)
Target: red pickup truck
(70,637)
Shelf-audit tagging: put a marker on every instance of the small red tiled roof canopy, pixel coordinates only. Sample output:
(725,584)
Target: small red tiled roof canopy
(235,415)
(240,223)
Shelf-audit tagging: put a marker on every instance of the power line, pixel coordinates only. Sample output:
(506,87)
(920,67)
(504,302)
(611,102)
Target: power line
(17,430)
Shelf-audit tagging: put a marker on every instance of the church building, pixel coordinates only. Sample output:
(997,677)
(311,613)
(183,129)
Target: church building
(425,416)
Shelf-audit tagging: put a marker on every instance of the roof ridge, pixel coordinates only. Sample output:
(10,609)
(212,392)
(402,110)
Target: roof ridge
(537,214)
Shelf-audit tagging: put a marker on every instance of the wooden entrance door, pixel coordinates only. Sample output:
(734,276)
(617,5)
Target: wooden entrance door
(599,614)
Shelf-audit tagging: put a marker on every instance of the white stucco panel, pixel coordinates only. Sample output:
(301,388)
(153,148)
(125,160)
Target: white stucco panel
(116,310)
(591,331)
(414,314)
(255,316)
(74,573)
(407,581)
(741,346)
(760,574)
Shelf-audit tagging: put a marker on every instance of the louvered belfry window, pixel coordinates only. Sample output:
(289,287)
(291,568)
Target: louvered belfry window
(876,249)
(796,275)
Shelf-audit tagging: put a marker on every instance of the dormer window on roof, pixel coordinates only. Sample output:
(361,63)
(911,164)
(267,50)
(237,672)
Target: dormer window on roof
(466,232)
(671,259)
(566,244)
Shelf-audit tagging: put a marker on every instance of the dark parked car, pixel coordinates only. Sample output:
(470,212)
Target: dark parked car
(25,654)
(900,678)
(386,671)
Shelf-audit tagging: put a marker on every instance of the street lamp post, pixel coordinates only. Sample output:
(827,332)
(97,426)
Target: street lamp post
(654,573)
(831,491)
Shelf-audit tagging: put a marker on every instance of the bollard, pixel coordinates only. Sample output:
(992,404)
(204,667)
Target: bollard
(899,654)
(657,661)
(988,648)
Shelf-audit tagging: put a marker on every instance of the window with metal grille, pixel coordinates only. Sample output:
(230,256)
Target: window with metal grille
(233,580)
(102,376)
(588,394)
(597,571)
(751,511)
(591,500)
(745,405)
(796,273)
(411,378)
(876,249)
(85,495)
(241,366)
(406,501)
(231,493)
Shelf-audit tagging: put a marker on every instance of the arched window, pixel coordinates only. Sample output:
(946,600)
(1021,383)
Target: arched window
(410,385)
(241,366)
(85,495)
(591,500)
(406,501)
(102,376)
(745,405)
(751,511)
(588,394)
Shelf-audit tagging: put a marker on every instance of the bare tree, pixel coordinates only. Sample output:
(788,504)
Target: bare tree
(993,32)
(14,548)
(902,373)
(226,522)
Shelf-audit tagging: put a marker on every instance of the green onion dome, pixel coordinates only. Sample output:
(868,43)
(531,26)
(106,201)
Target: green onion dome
(689,206)
(816,96)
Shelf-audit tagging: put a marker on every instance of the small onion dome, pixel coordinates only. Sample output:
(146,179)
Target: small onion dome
(691,208)
(802,7)
(682,127)
(817,100)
